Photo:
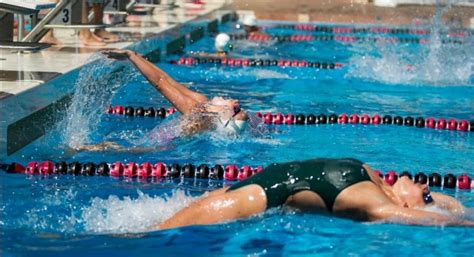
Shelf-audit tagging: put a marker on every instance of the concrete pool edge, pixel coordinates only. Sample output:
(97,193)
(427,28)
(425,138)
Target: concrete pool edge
(32,113)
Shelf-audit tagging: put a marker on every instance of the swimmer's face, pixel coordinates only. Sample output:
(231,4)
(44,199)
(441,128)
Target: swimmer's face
(410,193)
(231,105)
(249,29)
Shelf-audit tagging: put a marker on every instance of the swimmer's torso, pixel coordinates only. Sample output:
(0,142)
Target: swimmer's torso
(325,177)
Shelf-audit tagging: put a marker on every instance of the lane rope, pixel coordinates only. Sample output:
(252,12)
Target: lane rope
(229,172)
(141,111)
(345,39)
(236,62)
(343,29)
(375,30)
(323,119)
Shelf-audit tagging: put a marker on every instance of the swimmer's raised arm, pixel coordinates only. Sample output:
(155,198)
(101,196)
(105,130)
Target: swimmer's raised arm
(397,214)
(180,96)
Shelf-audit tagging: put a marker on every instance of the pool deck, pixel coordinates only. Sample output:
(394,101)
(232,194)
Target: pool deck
(22,71)
(33,85)
(351,11)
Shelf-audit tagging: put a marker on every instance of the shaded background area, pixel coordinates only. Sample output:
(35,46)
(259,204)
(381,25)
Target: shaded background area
(357,11)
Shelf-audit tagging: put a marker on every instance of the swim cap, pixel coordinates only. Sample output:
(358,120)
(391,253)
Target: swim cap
(233,126)
(222,43)
(250,21)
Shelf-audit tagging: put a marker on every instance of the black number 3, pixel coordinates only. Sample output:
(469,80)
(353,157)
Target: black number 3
(66,15)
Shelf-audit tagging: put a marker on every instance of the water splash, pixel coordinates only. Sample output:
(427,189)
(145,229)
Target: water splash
(53,214)
(115,215)
(94,89)
(435,63)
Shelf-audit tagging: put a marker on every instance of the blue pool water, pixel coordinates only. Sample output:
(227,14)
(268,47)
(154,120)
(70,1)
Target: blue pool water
(55,216)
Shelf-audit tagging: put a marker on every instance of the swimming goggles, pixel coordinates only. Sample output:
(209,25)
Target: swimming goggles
(237,109)
(427,198)
(228,47)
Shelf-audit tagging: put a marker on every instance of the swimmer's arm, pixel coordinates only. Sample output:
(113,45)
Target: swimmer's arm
(155,75)
(396,214)
(180,96)
(449,203)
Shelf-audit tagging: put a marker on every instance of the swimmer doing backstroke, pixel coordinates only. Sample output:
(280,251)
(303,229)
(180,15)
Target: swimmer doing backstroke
(199,113)
(345,188)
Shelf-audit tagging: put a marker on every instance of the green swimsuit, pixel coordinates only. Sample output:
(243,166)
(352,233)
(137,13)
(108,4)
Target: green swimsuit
(325,177)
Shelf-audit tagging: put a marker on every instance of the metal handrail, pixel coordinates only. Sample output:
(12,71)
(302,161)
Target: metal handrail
(130,5)
(39,30)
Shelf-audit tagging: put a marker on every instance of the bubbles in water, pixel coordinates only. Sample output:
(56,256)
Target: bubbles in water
(94,89)
(115,215)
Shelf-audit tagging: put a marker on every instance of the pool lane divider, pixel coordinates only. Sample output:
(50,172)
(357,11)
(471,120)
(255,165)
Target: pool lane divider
(237,62)
(344,39)
(229,172)
(141,111)
(365,119)
(321,119)
(343,29)
(353,30)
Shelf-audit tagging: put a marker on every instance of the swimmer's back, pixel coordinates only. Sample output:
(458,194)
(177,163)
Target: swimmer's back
(326,177)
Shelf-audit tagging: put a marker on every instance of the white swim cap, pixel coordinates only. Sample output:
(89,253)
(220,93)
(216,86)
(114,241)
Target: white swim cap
(222,43)
(233,126)
(250,21)
(236,126)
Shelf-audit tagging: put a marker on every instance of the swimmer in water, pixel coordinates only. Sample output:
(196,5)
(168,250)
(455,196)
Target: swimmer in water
(223,47)
(342,187)
(199,113)
(250,26)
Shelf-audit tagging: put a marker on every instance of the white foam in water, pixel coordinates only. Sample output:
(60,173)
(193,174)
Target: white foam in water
(269,74)
(249,44)
(161,135)
(94,89)
(116,215)
(43,217)
(435,63)
(260,73)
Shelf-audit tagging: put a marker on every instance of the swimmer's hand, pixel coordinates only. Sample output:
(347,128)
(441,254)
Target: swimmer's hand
(117,54)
